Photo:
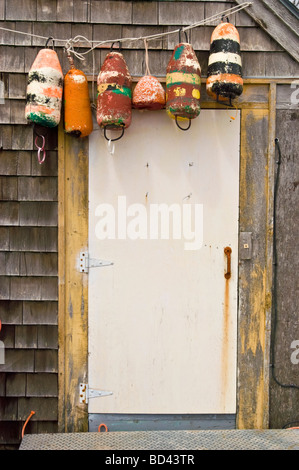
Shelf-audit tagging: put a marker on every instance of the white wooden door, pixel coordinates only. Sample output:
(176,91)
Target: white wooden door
(163,317)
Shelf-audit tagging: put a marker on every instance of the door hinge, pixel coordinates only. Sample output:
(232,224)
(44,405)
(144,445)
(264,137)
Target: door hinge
(85,393)
(86,262)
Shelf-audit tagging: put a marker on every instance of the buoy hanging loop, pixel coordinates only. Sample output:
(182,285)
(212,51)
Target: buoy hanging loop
(117,138)
(53,43)
(182,128)
(186,36)
(40,149)
(119,46)
(103,425)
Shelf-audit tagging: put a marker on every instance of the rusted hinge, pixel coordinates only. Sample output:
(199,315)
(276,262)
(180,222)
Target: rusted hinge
(85,393)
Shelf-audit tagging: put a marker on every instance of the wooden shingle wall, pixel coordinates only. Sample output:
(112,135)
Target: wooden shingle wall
(28,191)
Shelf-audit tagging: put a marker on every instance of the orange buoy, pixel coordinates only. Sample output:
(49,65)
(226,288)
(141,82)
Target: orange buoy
(148,94)
(44,89)
(183,81)
(114,103)
(224,77)
(77,110)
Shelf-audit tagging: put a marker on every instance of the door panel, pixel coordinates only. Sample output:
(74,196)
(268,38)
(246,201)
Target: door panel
(163,317)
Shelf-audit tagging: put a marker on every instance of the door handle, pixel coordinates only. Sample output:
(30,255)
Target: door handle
(227,252)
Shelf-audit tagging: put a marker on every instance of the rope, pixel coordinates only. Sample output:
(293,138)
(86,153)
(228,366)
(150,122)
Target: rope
(70,43)
(26,422)
(147,70)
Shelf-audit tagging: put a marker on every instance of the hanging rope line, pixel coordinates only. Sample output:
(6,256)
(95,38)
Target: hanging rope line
(69,44)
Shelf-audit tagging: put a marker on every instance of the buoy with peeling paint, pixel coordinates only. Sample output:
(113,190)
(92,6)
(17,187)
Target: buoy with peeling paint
(183,81)
(44,89)
(148,94)
(77,109)
(114,103)
(224,77)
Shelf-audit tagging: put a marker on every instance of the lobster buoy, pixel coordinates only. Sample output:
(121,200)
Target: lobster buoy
(114,103)
(224,77)
(44,89)
(148,94)
(183,81)
(77,110)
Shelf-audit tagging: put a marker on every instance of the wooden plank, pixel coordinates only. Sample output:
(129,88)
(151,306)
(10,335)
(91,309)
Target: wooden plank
(18,360)
(38,214)
(145,12)
(256,186)
(25,337)
(73,285)
(33,239)
(267,19)
(15,163)
(65,10)
(25,11)
(11,312)
(47,337)
(17,86)
(46,409)
(29,264)
(179,14)
(40,313)
(33,288)
(45,361)
(285,317)
(37,189)
(16,385)
(108,11)
(41,385)
(12,59)
(8,188)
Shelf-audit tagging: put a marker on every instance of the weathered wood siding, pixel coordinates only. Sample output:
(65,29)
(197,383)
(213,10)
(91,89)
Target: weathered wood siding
(284,399)
(28,191)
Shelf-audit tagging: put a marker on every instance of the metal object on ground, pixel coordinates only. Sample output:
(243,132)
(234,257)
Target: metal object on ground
(270,439)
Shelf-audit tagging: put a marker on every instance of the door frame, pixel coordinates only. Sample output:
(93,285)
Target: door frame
(257,168)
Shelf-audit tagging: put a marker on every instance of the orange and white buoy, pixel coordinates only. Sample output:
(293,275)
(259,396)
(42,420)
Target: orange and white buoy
(224,77)
(77,109)
(44,89)
(148,94)
(114,103)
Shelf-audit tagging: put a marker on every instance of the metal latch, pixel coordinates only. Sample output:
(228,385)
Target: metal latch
(86,393)
(245,245)
(86,262)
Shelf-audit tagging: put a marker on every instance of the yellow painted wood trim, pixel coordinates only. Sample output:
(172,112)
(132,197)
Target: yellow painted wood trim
(256,81)
(73,285)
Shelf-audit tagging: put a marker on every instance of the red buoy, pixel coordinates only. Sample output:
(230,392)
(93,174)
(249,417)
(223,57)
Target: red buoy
(114,103)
